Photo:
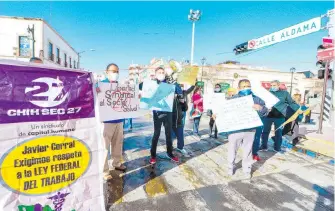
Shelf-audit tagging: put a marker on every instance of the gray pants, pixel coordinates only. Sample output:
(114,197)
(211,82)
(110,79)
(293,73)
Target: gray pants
(244,139)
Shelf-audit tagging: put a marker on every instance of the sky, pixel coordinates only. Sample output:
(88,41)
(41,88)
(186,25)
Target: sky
(126,32)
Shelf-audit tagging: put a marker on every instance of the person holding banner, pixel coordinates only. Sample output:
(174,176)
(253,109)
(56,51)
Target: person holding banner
(165,118)
(197,109)
(245,137)
(285,108)
(113,130)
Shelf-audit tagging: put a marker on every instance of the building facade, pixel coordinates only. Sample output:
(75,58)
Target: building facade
(16,42)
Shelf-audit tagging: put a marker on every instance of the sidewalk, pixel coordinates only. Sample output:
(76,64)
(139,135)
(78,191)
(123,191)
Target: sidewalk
(312,143)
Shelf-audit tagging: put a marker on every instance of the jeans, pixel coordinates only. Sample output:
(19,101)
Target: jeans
(184,118)
(179,132)
(166,120)
(196,124)
(278,134)
(255,146)
(131,123)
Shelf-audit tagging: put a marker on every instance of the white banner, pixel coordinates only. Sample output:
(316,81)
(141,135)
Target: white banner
(119,101)
(237,114)
(298,30)
(157,97)
(211,101)
(258,90)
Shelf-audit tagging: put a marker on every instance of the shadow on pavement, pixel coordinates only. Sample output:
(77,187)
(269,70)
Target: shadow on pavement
(140,172)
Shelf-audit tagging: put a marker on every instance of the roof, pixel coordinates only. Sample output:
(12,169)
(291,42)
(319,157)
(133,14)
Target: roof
(39,19)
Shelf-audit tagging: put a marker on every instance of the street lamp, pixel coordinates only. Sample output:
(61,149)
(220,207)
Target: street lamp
(203,60)
(32,32)
(292,70)
(79,55)
(194,16)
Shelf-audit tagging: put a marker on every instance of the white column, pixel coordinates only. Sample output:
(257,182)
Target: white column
(192,49)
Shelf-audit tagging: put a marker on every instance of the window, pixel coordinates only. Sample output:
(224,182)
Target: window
(65,60)
(57,56)
(50,52)
(74,64)
(24,46)
(70,62)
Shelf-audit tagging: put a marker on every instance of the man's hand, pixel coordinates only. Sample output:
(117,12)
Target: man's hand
(257,107)
(214,116)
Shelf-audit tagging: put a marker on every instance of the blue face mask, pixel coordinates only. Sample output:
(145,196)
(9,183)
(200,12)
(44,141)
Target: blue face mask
(245,92)
(273,89)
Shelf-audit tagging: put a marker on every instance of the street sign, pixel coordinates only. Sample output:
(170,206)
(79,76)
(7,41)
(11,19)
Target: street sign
(307,27)
(326,54)
(327,42)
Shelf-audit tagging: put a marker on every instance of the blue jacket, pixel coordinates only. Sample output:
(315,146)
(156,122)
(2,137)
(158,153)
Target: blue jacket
(111,121)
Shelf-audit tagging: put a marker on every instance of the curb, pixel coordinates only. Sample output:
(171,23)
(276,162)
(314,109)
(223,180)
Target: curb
(307,152)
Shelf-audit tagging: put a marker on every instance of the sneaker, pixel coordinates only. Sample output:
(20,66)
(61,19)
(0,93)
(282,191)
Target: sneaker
(265,149)
(183,152)
(279,151)
(231,171)
(256,158)
(120,168)
(107,176)
(152,160)
(174,159)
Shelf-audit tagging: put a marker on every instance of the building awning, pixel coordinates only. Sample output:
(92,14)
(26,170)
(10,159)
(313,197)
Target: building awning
(267,85)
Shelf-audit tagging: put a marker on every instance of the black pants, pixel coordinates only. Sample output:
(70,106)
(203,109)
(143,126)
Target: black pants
(211,125)
(166,120)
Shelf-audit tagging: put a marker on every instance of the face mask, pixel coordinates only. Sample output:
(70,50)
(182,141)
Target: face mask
(245,92)
(274,89)
(217,90)
(169,71)
(113,76)
(160,77)
(131,82)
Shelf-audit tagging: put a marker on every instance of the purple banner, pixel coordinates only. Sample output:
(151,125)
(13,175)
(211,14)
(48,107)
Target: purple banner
(32,94)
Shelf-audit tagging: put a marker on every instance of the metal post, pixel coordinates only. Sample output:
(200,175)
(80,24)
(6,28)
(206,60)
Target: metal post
(323,97)
(192,49)
(291,82)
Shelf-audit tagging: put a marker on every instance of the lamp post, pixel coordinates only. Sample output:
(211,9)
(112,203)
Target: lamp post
(292,70)
(203,60)
(79,55)
(32,32)
(194,16)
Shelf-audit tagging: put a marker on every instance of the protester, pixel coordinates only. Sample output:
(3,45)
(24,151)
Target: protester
(113,130)
(165,118)
(284,108)
(186,92)
(197,109)
(212,124)
(244,138)
(178,111)
(230,93)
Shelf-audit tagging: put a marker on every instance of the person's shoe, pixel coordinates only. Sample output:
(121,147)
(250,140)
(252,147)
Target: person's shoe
(120,168)
(256,158)
(183,152)
(174,159)
(152,160)
(264,149)
(247,176)
(279,151)
(107,177)
(231,171)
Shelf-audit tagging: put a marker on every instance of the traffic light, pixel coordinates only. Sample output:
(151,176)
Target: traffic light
(321,65)
(241,48)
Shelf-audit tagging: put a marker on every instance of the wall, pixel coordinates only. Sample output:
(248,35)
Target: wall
(52,36)
(11,29)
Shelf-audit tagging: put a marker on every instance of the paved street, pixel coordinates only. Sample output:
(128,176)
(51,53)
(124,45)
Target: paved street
(292,181)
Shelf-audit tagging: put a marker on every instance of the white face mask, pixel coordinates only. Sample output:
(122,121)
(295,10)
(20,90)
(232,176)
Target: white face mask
(217,89)
(113,76)
(168,71)
(160,77)
(131,82)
